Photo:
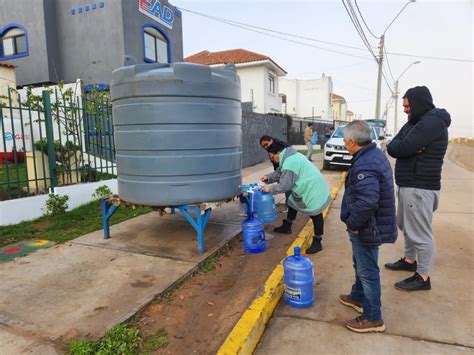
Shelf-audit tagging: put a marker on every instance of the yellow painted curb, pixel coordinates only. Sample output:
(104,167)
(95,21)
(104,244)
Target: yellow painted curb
(246,334)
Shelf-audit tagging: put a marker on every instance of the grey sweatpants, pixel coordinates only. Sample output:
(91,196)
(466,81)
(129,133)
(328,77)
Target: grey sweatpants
(414,218)
(309,154)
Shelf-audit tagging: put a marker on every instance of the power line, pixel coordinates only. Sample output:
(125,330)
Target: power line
(234,23)
(359,26)
(358,29)
(221,19)
(388,64)
(365,23)
(432,57)
(248,28)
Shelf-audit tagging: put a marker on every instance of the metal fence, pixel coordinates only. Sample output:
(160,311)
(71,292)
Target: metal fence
(296,130)
(54,138)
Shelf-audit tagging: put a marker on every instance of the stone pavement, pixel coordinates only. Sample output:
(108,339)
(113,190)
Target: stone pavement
(437,321)
(83,287)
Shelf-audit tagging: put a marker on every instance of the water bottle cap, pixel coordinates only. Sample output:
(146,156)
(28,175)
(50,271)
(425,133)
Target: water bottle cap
(297,251)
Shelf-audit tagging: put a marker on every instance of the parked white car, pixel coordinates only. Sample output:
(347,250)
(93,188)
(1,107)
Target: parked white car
(335,153)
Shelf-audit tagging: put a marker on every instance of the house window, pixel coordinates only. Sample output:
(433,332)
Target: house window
(156,45)
(271,82)
(13,42)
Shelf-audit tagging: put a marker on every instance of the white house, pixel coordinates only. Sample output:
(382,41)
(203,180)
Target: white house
(259,76)
(339,107)
(308,98)
(7,80)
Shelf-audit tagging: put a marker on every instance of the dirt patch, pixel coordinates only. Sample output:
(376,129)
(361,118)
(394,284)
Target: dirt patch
(41,225)
(463,155)
(199,314)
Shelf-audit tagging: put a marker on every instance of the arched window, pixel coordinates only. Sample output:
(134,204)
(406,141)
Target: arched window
(156,45)
(13,42)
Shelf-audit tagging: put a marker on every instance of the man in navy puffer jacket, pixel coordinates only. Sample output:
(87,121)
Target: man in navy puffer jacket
(419,148)
(368,210)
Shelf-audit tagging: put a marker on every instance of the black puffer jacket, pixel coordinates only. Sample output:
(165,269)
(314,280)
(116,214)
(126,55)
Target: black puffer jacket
(421,144)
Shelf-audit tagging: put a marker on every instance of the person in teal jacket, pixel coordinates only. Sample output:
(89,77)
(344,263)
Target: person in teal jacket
(308,192)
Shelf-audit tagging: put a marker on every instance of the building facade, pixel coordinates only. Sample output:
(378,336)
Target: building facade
(308,98)
(259,76)
(339,107)
(65,40)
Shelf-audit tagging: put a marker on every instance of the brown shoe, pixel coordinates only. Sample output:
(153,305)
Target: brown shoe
(346,300)
(362,325)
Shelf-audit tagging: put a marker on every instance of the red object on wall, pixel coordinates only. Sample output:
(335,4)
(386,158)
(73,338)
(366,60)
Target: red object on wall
(10,156)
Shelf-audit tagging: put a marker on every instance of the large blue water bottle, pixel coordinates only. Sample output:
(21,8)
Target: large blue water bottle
(263,204)
(254,235)
(299,279)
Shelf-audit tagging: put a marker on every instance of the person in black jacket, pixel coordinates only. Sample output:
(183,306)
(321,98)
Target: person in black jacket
(419,148)
(368,211)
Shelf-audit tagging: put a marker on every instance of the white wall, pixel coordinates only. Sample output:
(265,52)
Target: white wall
(252,78)
(304,96)
(272,100)
(29,208)
(7,79)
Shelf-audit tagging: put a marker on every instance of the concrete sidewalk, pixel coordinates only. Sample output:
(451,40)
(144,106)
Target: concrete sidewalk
(436,321)
(83,287)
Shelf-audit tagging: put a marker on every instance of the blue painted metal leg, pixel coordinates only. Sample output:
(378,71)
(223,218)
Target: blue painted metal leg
(199,224)
(107,212)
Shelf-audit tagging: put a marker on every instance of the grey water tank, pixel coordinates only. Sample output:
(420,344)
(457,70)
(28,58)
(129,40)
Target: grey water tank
(177,133)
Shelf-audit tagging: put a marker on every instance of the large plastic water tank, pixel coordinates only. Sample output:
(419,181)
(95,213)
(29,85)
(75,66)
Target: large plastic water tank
(177,133)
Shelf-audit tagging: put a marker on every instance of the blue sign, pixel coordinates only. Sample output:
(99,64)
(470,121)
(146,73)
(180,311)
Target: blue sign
(157,11)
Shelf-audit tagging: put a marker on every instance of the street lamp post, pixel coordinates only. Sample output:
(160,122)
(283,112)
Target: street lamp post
(380,61)
(395,94)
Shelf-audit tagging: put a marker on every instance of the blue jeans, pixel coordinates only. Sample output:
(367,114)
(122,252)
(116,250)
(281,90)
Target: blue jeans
(366,288)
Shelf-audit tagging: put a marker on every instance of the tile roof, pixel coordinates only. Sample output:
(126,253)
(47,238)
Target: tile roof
(8,65)
(232,56)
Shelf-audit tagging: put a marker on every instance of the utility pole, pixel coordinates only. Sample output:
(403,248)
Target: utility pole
(395,119)
(379,77)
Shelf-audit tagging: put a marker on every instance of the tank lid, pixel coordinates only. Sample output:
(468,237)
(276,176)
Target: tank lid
(175,79)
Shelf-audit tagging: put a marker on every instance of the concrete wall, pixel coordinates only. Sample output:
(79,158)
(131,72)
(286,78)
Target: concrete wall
(91,43)
(255,125)
(33,207)
(29,14)
(133,20)
(87,45)
(305,97)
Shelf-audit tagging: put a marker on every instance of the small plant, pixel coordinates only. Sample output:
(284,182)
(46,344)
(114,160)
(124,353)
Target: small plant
(56,204)
(208,265)
(120,339)
(155,341)
(83,347)
(102,191)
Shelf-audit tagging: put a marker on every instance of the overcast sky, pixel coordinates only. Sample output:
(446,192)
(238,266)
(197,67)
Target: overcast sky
(426,28)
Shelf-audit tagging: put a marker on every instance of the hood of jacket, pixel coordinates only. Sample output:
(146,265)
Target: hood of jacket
(420,101)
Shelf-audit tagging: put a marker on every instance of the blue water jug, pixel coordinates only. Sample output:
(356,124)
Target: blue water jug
(254,235)
(263,204)
(299,279)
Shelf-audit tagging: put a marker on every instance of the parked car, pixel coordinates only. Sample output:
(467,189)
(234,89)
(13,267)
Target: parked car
(335,153)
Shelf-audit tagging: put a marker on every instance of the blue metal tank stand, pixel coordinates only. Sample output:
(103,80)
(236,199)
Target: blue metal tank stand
(199,222)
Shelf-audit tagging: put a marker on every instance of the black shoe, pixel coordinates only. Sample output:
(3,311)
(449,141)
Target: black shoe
(401,265)
(284,228)
(414,283)
(315,246)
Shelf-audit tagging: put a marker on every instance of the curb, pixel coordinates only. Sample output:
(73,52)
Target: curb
(246,334)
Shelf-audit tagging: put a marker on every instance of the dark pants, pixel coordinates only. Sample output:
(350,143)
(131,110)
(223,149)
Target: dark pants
(366,288)
(318,221)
